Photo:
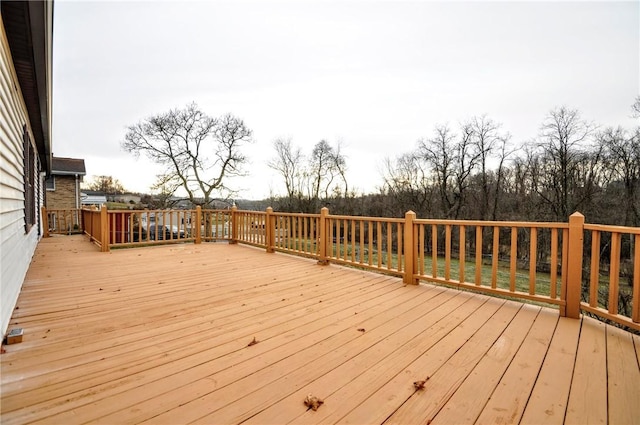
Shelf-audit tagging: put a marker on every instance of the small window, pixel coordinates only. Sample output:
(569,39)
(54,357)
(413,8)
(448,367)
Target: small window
(50,183)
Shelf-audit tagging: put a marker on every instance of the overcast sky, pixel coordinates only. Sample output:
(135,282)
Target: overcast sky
(375,75)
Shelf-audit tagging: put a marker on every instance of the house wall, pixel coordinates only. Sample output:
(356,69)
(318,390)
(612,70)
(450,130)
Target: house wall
(16,246)
(64,196)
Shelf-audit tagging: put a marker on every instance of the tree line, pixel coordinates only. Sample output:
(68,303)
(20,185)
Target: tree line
(475,171)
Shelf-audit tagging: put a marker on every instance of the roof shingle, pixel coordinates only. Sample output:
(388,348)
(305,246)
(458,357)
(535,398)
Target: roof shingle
(61,166)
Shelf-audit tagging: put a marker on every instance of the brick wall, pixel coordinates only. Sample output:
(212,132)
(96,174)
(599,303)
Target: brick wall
(64,196)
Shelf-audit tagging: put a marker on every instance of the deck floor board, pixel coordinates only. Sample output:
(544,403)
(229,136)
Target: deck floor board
(588,399)
(161,335)
(624,378)
(508,400)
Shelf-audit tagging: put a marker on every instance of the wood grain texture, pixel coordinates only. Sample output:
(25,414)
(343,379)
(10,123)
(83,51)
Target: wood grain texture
(162,335)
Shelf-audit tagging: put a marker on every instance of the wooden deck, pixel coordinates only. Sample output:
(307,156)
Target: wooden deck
(161,335)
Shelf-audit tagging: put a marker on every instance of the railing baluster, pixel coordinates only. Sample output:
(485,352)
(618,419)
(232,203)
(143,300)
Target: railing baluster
(389,246)
(479,242)
(400,256)
(513,259)
(495,259)
(462,254)
(553,279)
(533,255)
(345,239)
(379,240)
(434,250)
(361,237)
(564,267)
(595,269)
(421,248)
(635,315)
(447,252)
(370,235)
(337,224)
(289,234)
(353,240)
(614,273)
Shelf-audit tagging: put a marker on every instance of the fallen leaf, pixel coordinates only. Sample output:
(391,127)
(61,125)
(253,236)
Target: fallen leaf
(419,385)
(253,342)
(312,402)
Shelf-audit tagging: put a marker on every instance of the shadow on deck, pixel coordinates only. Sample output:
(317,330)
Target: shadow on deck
(162,335)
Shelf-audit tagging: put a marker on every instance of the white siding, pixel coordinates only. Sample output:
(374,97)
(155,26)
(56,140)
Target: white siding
(16,247)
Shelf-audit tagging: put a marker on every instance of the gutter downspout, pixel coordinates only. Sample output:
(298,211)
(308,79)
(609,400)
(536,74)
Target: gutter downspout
(77,194)
(77,215)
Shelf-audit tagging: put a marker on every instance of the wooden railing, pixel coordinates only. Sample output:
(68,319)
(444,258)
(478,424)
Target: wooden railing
(215,225)
(294,233)
(540,262)
(367,242)
(499,258)
(249,227)
(95,226)
(613,277)
(62,221)
(144,227)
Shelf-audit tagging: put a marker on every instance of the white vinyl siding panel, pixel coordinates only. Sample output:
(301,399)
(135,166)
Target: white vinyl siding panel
(16,247)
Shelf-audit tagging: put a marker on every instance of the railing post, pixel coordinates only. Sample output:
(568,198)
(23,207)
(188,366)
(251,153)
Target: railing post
(270,230)
(323,239)
(198,234)
(234,225)
(104,223)
(45,222)
(573,289)
(409,249)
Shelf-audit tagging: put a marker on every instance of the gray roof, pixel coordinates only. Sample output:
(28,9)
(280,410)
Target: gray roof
(92,199)
(67,166)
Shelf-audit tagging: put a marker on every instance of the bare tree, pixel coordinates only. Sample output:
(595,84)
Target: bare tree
(308,179)
(635,108)
(526,175)
(503,154)
(622,153)
(199,153)
(321,169)
(439,153)
(289,163)
(452,160)
(563,146)
(490,145)
(407,182)
(340,163)
(325,164)
(467,160)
